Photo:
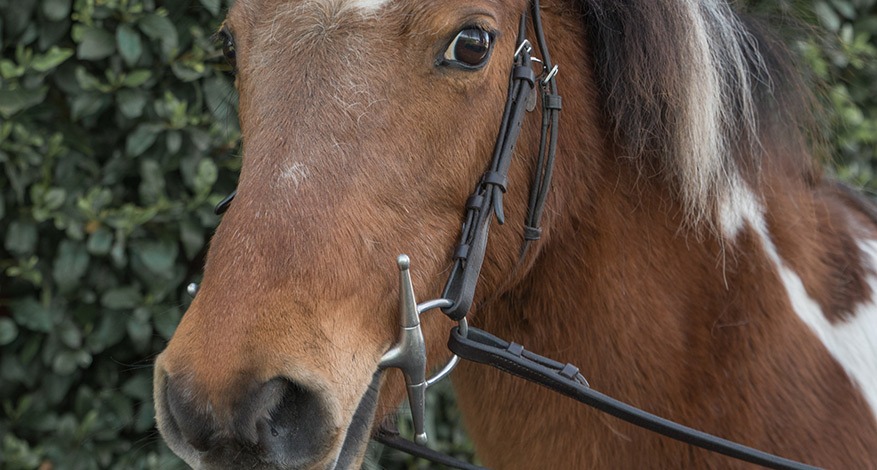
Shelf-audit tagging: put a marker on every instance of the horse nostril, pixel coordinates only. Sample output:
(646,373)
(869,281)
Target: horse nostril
(278,422)
(192,422)
(293,428)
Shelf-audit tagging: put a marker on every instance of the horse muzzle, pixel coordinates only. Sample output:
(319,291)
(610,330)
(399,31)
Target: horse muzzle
(278,424)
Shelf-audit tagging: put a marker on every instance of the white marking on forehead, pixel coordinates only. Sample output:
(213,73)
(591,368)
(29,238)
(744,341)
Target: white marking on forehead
(368,5)
(851,343)
(295,174)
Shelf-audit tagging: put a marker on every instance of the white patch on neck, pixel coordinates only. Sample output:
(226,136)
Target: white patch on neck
(295,174)
(738,205)
(852,343)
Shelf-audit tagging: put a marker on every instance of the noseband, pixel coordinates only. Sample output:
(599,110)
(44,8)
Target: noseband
(485,202)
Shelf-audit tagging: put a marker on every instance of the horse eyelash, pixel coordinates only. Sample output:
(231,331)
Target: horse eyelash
(219,39)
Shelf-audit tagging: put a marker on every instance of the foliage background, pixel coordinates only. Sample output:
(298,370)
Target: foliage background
(118,135)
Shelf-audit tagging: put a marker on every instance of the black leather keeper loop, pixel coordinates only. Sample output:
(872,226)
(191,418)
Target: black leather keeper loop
(525,73)
(553,102)
(474,202)
(516,349)
(462,252)
(494,178)
(569,371)
(532,233)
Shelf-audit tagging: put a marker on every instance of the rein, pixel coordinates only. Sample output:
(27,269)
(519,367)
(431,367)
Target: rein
(472,344)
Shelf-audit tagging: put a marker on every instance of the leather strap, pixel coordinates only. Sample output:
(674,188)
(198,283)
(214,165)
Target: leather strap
(225,203)
(482,347)
(551,106)
(392,439)
(488,194)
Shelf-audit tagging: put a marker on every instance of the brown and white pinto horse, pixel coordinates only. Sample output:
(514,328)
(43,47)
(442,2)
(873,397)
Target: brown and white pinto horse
(694,261)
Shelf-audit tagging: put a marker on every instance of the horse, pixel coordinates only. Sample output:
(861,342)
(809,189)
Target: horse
(694,258)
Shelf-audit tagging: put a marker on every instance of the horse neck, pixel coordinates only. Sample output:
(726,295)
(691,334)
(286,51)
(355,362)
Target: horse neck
(618,290)
(686,322)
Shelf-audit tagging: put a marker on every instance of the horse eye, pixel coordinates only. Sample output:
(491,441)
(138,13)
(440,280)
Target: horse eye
(470,49)
(228,49)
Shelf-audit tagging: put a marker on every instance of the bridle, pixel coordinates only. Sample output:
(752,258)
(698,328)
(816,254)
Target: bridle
(469,343)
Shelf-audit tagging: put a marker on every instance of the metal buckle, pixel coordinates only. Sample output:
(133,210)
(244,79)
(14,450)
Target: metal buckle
(550,75)
(524,46)
(409,352)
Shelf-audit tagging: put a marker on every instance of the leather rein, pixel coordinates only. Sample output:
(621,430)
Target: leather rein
(472,344)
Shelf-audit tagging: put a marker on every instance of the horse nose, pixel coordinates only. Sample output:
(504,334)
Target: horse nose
(279,422)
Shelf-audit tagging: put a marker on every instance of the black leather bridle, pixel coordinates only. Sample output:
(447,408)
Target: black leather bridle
(472,344)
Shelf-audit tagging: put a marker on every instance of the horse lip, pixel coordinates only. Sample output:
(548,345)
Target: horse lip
(360,427)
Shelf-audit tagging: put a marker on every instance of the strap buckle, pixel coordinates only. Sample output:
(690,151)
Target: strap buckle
(525,46)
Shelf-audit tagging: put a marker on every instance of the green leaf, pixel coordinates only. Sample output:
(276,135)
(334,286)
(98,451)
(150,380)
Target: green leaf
(88,104)
(51,59)
(56,387)
(188,72)
(109,332)
(141,139)
(212,6)
(12,369)
(9,69)
(166,321)
(67,362)
(86,80)
(70,335)
(157,256)
(54,198)
(136,78)
(160,28)
(221,98)
(56,10)
(129,43)
(205,176)
(122,298)
(95,44)
(131,102)
(140,332)
(174,141)
(8,331)
(70,265)
(152,182)
(21,238)
(100,242)
(192,236)
(14,101)
(33,316)
(139,387)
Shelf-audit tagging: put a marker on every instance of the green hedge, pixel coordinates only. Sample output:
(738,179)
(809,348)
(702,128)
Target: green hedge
(118,134)
(845,61)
